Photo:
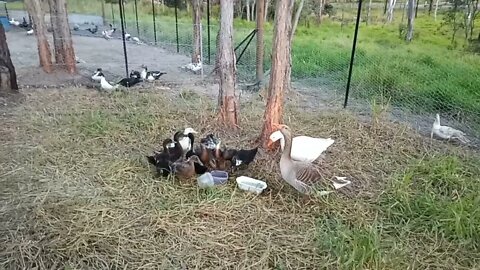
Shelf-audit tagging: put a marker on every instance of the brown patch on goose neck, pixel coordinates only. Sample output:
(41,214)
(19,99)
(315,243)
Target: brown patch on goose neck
(287,150)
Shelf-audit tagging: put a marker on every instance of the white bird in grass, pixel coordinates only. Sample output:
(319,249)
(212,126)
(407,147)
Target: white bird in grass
(30,32)
(106,85)
(194,67)
(446,132)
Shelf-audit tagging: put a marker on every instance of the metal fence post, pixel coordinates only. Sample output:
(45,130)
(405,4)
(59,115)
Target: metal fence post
(208,30)
(120,5)
(176,25)
(154,23)
(359,12)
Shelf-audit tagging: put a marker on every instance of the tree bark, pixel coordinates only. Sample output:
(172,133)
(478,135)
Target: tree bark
(298,13)
(8,76)
(430,7)
(260,38)
(197,42)
(227,101)
(390,9)
(410,18)
(252,10)
(281,68)
(62,37)
(369,11)
(35,10)
(247,5)
(267,5)
(436,9)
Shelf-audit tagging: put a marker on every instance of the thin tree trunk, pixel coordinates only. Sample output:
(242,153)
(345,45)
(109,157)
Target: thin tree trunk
(298,13)
(260,38)
(252,10)
(430,7)
(410,18)
(320,11)
(102,2)
(62,37)
(228,102)
(8,76)
(247,5)
(45,56)
(197,16)
(416,8)
(281,68)
(369,12)
(267,5)
(390,9)
(436,9)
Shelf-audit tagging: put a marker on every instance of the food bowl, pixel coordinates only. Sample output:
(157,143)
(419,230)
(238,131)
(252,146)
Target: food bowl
(251,184)
(205,180)
(219,177)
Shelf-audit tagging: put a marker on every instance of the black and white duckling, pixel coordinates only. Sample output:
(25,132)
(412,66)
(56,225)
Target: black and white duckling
(97,75)
(129,82)
(186,168)
(185,138)
(162,160)
(93,30)
(30,32)
(150,75)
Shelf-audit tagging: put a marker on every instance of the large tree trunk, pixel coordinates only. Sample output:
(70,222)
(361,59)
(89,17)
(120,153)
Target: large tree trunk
(260,38)
(298,13)
(227,101)
(62,37)
(8,77)
(197,27)
(410,18)
(35,10)
(281,68)
(390,9)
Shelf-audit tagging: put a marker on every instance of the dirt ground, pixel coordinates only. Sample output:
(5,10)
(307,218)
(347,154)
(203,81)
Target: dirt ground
(94,53)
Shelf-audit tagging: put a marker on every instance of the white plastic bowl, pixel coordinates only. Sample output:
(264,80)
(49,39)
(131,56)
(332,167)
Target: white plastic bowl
(250,184)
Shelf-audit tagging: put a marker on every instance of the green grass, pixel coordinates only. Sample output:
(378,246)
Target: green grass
(428,75)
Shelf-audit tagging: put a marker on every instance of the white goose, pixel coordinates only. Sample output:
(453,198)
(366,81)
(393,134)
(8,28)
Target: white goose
(304,148)
(446,132)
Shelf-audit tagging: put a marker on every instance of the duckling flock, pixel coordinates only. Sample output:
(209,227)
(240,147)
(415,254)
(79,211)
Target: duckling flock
(134,78)
(181,157)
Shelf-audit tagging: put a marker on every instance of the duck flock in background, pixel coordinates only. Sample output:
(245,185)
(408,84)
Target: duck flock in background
(23,24)
(181,157)
(134,78)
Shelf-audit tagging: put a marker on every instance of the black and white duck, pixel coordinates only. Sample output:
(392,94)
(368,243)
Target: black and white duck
(150,75)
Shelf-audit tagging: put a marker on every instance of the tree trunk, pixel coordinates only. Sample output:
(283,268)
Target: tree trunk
(102,2)
(62,37)
(267,5)
(252,10)
(247,5)
(197,42)
(260,38)
(320,11)
(410,18)
(436,9)
(369,12)
(416,8)
(35,10)
(281,68)
(8,76)
(227,101)
(298,13)
(390,9)
(430,7)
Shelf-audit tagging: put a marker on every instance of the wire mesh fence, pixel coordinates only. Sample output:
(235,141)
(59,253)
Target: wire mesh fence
(432,74)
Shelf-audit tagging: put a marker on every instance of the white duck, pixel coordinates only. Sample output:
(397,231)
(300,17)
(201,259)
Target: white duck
(446,132)
(304,148)
(106,85)
(194,67)
(300,175)
(30,32)
(13,22)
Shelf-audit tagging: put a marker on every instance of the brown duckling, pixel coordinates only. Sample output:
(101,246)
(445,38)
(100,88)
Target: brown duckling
(185,168)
